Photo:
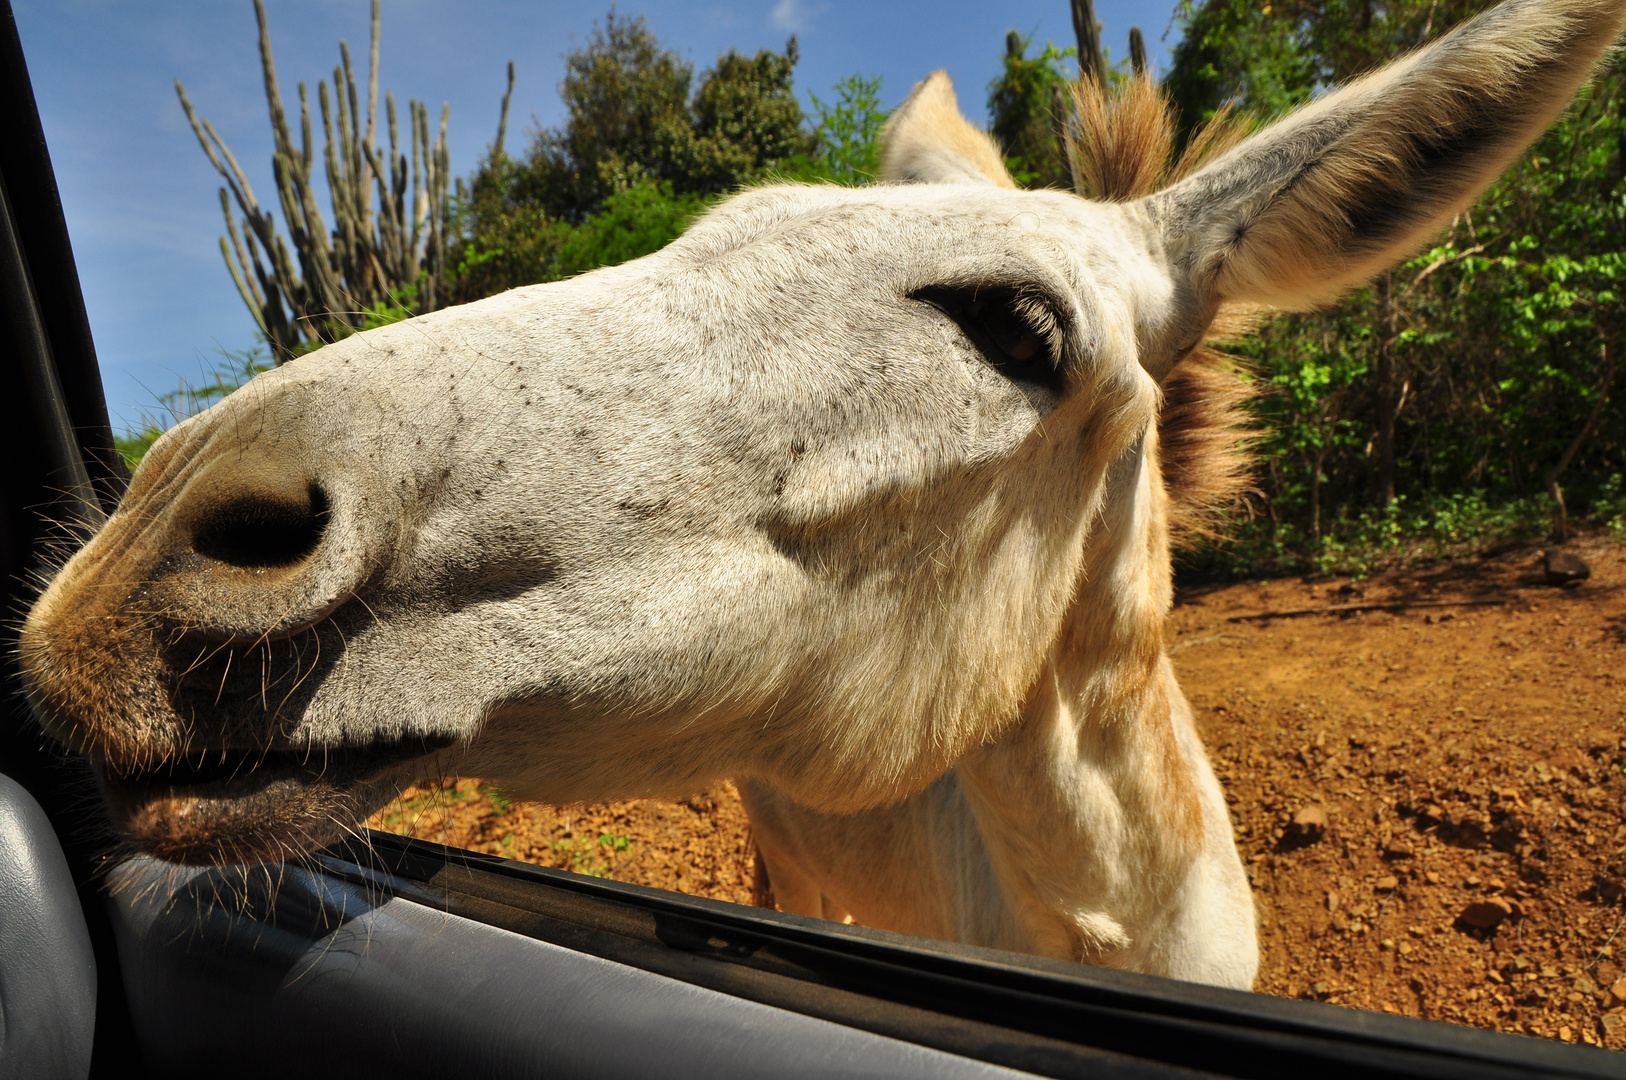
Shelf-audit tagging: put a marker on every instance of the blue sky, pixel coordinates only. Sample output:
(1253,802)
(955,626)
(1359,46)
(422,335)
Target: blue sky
(141,199)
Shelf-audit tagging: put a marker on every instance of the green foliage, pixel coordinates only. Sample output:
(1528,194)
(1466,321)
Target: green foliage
(1267,58)
(633,223)
(1241,52)
(746,122)
(637,158)
(1610,507)
(627,106)
(1360,540)
(631,119)
(1497,334)
(849,132)
(1023,102)
(593,858)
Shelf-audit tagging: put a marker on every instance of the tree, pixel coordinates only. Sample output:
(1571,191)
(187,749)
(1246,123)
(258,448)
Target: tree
(849,132)
(636,147)
(1026,102)
(1476,375)
(627,118)
(746,123)
(631,117)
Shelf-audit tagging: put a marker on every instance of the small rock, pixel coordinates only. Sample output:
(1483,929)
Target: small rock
(1386,943)
(1619,989)
(1310,823)
(1386,884)
(1584,985)
(1397,849)
(1486,914)
(1405,948)
(1332,901)
(1319,989)
(1564,568)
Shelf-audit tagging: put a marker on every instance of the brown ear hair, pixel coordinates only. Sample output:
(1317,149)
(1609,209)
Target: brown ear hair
(927,141)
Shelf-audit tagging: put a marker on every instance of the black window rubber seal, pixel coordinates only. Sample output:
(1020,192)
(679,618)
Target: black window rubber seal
(1042,1016)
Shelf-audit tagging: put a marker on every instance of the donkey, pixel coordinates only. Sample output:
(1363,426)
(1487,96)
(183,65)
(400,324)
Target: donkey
(856,495)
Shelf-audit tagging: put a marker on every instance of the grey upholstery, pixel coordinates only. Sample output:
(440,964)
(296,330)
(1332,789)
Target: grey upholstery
(329,981)
(47,968)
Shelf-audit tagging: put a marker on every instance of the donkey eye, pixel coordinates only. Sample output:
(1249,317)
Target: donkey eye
(1015,333)
(1005,328)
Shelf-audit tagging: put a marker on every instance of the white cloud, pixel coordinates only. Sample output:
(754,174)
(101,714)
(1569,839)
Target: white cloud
(792,16)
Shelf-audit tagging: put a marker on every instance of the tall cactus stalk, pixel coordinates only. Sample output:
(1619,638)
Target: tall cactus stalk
(1091,65)
(389,254)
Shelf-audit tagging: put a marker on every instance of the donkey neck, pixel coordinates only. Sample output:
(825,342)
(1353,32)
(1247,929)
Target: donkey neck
(1087,805)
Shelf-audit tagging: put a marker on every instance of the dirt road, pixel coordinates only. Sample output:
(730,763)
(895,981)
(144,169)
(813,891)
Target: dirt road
(1430,799)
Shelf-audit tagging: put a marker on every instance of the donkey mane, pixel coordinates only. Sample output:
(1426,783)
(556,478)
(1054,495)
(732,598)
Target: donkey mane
(1120,145)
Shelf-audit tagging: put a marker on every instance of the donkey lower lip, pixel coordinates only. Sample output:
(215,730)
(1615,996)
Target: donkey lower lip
(255,805)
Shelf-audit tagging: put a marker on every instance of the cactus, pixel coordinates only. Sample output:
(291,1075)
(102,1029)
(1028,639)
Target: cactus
(1137,51)
(1091,65)
(375,257)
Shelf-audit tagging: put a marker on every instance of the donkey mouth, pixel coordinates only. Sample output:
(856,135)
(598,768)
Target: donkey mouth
(241,806)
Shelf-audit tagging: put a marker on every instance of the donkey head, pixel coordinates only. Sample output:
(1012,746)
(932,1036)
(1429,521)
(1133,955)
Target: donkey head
(807,495)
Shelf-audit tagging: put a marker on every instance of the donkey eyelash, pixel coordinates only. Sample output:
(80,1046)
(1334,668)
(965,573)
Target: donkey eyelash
(1016,331)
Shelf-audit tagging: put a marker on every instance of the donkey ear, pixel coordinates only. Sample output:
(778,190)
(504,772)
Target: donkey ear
(927,141)
(1337,192)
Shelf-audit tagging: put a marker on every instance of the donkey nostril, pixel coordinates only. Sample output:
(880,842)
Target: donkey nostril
(258,532)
